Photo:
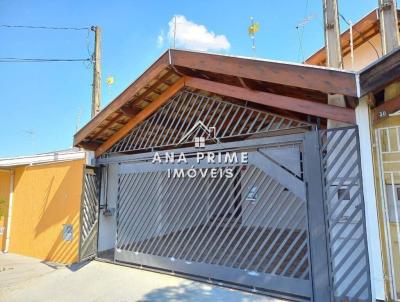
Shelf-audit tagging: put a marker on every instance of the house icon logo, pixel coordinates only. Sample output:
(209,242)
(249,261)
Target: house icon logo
(199,133)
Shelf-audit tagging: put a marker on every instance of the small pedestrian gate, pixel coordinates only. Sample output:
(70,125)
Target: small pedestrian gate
(89,215)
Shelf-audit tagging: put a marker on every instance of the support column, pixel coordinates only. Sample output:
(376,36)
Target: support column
(9,215)
(390,38)
(316,219)
(371,211)
(333,52)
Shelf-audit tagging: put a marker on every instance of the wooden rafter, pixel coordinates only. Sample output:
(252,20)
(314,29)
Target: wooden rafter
(141,116)
(102,129)
(283,102)
(122,99)
(150,89)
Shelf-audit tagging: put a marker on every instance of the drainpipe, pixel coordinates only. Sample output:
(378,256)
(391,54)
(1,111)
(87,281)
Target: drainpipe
(10,206)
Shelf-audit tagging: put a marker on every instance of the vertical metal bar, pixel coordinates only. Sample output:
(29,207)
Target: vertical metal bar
(220,129)
(220,114)
(150,216)
(200,244)
(320,268)
(232,133)
(185,114)
(214,193)
(170,208)
(231,121)
(186,125)
(125,224)
(254,217)
(187,103)
(155,126)
(282,217)
(277,244)
(266,116)
(254,122)
(264,212)
(181,215)
(206,236)
(249,115)
(172,117)
(260,177)
(200,236)
(294,257)
(168,108)
(150,122)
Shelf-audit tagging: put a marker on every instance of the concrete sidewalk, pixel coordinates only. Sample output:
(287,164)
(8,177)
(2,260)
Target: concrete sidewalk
(28,279)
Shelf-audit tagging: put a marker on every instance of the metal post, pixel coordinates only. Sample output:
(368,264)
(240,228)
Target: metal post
(316,219)
(96,92)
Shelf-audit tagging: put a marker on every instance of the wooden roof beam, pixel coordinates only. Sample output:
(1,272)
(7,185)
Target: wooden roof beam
(382,111)
(141,116)
(278,101)
(303,76)
(381,73)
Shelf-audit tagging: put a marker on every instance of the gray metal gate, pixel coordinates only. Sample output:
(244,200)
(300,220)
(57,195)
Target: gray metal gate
(289,222)
(345,215)
(89,215)
(249,230)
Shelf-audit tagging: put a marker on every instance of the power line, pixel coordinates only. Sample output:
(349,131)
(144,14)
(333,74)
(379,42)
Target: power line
(41,60)
(361,34)
(44,27)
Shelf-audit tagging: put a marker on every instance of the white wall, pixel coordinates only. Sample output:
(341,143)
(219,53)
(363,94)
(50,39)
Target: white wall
(108,224)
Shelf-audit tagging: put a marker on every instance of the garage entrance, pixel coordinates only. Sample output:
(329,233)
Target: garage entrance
(285,219)
(243,223)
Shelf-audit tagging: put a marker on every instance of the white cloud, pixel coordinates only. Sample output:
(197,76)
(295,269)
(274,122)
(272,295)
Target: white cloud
(193,36)
(160,39)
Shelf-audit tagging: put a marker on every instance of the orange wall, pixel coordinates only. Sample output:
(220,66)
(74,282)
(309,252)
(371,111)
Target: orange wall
(4,195)
(45,198)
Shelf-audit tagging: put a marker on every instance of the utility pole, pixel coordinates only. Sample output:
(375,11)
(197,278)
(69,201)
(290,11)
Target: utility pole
(333,51)
(390,37)
(96,86)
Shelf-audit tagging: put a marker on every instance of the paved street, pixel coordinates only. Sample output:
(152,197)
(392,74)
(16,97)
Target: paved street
(28,279)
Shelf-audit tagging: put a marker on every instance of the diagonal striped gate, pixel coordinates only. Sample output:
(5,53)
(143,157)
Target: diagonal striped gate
(287,222)
(89,214)
(248,229)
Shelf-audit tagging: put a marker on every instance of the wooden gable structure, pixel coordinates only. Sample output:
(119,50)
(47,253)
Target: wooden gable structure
(292,90)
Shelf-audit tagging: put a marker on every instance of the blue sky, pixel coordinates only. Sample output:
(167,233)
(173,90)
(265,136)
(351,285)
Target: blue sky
(41,103)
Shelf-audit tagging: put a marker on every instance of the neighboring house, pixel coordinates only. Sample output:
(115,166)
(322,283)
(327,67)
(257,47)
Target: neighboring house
(42,195)
(367,44)
(385,123)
